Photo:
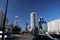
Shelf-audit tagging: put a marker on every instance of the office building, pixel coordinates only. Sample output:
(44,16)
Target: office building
(42,26)
(28,28)
(40,22)
(54,26)
(33,20)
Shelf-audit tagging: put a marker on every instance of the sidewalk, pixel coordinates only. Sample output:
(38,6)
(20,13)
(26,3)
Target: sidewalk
(21,35)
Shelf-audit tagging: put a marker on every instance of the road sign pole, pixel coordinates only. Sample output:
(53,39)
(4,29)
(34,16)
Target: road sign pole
(4,21)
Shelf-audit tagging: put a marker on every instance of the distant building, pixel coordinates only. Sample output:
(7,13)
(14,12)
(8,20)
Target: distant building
(16,22)
(26,27)
(6,23)
(42,26)
(2,19)
(33,20)
(54,26)
(41,21)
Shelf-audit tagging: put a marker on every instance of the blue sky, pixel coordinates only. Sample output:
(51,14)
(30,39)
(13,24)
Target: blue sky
(49,9)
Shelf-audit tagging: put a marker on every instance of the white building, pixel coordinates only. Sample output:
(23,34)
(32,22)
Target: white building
(29,28)
(54,26)
(32,20)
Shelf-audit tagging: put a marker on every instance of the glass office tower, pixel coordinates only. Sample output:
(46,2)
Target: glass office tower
(42,26)
(33,21)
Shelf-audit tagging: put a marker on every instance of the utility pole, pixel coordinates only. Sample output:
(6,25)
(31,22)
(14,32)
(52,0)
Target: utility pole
(4,21)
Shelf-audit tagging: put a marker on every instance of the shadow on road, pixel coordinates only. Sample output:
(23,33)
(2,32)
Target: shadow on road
(41,37)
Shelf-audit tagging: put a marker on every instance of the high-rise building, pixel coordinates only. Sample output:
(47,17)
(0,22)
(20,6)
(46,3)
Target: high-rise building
(41,21)
(42,26)
(33,20)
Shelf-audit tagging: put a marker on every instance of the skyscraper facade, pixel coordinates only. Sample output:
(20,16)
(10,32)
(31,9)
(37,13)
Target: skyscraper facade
(33,20)
(40,22)
(42,26)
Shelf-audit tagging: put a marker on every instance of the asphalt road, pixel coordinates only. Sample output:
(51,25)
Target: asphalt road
(19,37)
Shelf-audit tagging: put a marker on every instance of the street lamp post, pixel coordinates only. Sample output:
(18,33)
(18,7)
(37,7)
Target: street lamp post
(4,21)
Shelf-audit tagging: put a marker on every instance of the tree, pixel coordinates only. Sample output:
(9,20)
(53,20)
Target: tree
(16,30)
